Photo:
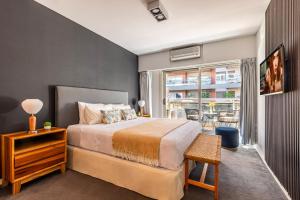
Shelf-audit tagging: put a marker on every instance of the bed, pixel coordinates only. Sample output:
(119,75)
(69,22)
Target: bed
(90,147)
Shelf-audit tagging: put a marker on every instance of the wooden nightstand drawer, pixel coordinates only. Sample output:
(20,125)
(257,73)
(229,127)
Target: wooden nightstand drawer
(33,156)
(36,166)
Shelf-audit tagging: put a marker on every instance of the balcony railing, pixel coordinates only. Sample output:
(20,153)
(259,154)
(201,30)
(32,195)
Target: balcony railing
(203,100)
(188,86)
(214,111)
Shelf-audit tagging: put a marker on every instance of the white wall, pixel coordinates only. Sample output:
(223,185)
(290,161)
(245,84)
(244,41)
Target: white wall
(231,49)
(260,42)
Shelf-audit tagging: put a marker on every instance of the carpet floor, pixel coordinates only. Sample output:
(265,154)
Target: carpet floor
(243,176)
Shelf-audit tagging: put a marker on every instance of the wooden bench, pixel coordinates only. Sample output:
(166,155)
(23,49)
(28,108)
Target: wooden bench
(205,149)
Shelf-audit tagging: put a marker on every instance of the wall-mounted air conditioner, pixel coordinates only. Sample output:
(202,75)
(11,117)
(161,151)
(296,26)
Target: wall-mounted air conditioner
(185,53)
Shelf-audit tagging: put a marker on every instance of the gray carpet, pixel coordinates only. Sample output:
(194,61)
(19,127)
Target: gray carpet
(243,176)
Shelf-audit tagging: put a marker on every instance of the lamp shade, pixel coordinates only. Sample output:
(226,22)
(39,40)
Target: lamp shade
(32,106)
(141,103)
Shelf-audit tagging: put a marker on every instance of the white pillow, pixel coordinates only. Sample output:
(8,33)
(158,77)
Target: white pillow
(81,107)
(92,116)
(119,106)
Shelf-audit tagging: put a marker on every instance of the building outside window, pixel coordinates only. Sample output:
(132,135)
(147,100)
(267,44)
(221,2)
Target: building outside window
(219,93)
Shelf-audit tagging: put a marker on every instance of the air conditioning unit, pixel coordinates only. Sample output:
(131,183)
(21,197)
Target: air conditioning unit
(185,53)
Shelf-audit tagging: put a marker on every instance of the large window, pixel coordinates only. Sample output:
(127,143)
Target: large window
(212,93)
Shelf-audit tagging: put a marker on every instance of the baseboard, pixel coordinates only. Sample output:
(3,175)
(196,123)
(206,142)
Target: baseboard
(262,156)
(260,152)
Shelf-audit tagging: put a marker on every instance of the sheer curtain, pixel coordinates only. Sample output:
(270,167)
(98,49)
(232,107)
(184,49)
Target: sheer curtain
(146,91)
(248,110)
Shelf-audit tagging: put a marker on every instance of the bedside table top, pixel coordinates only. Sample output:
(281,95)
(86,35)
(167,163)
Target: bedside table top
(25,134)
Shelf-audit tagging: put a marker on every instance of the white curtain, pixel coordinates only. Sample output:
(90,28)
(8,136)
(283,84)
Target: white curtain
(248,110)
(146,91)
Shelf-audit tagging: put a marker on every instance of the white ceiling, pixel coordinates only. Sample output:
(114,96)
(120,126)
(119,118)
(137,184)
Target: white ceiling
(129,24)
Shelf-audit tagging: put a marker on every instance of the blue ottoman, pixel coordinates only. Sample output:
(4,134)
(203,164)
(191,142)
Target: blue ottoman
(230,136)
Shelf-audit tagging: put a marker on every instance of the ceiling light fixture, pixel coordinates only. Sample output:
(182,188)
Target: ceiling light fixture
(157,10)
(160,17)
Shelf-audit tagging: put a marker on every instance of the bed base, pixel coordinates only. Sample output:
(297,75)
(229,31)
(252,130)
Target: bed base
(156,183)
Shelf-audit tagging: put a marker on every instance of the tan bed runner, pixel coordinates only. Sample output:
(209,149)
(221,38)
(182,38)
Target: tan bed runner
(141,143)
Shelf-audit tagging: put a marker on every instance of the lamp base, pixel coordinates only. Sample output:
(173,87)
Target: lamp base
(142,111)
(32,132)
(32,124)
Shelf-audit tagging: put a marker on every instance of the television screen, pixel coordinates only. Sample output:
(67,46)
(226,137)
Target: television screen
(272,73)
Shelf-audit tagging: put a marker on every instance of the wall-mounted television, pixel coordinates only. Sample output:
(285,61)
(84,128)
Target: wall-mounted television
(273,73)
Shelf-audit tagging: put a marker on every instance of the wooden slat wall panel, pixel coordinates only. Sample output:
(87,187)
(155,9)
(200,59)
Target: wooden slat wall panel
(282,111)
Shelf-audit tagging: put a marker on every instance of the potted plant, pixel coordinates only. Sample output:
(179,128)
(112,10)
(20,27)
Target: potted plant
(47,125)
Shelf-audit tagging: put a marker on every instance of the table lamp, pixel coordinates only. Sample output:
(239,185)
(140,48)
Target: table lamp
(32,107)
(141,105)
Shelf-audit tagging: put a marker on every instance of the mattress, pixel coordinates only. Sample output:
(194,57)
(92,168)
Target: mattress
(98,138)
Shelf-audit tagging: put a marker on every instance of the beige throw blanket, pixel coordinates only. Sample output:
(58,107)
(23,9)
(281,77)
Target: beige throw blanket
(141,143)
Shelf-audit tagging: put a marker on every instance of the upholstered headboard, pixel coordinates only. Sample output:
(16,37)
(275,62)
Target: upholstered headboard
(66,98)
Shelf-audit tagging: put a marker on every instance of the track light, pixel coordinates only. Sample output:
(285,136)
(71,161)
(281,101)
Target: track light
(157,10)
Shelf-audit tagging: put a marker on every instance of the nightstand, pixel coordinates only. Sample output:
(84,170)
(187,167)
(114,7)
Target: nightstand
(27,156)
(145,115)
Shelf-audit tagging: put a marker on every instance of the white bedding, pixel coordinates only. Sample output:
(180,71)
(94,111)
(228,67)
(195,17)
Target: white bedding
(98,137)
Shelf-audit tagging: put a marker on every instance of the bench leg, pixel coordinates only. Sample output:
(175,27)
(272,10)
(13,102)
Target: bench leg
(216,197)
(186,185)
(204,171)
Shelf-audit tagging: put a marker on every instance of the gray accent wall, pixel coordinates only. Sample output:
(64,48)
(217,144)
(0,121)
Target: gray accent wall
(282,111)
(40,49)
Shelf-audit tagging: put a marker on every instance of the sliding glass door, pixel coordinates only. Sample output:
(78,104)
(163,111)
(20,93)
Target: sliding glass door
(208,94)
(182,93)
(220,96)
